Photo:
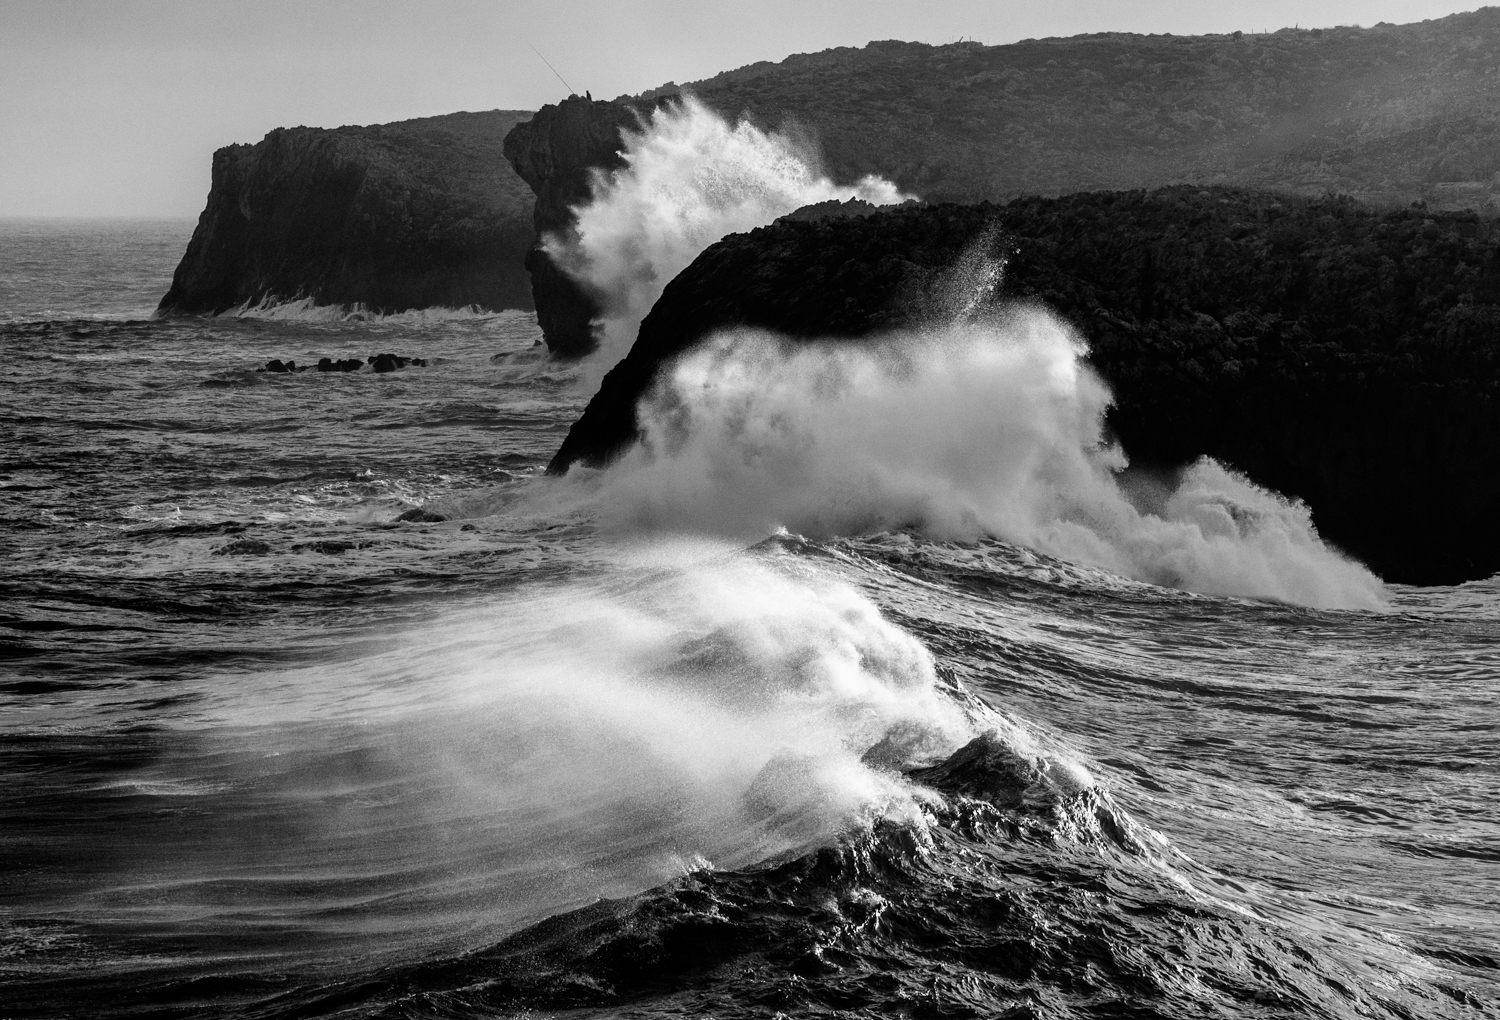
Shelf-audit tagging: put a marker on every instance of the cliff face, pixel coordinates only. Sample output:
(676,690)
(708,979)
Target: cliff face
(1330,352)
(417,214)
(556,153)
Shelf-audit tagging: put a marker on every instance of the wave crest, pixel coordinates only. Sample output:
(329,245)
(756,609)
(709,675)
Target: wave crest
(981,428)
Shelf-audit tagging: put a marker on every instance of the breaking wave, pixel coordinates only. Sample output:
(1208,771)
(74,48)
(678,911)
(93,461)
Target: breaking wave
(992,427)
(690,178)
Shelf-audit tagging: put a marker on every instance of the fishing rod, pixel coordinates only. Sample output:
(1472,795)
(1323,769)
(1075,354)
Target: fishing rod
(560,78)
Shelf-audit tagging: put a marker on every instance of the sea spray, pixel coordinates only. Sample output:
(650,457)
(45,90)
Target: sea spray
(672,705)
(992,426)
(690,178)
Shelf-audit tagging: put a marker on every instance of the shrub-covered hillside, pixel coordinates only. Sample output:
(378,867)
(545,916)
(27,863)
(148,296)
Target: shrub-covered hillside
(1390,114)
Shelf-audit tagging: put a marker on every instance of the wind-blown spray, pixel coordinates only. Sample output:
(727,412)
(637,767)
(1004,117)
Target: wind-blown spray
(991,427)
(690,178)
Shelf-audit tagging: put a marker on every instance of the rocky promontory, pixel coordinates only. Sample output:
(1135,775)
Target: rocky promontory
(1389,114)
(557,153)
(1333,352)
(417,214)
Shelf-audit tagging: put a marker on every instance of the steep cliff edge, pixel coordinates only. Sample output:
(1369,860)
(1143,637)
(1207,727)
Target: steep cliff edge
(557,153)
(417,214)
(1332,352)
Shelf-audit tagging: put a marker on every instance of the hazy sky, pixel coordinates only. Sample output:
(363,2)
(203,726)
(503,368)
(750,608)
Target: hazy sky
(114,107)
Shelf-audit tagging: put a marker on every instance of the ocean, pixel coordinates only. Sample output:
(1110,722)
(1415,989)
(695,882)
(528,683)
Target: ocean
(273,745)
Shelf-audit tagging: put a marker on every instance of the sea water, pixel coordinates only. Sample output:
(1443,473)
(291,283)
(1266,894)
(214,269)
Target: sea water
(730,729)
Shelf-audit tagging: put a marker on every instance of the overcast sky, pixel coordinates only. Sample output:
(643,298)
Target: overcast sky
(114,107)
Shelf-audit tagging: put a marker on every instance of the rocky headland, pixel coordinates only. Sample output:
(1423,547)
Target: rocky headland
(1333,352)
(417,214)
(1390,115)
(438,212)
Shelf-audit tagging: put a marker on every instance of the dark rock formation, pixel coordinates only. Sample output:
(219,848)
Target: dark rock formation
(1389,114)
(557,153)
(391,362)
(342,365)
(378,362)
(1332,352)
(421,515)
(419,214)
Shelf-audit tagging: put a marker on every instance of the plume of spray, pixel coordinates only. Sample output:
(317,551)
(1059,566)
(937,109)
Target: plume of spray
(689,179)
(990,425)
(687,705)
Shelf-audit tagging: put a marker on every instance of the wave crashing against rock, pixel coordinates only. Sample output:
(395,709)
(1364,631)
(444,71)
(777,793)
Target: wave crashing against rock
(1250,328)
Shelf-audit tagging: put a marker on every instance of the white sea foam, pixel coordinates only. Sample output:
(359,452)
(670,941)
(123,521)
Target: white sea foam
(305,309)
(690,178)
(681,703)
(989,427)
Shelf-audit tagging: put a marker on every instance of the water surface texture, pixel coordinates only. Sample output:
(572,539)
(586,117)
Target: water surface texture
(270,750)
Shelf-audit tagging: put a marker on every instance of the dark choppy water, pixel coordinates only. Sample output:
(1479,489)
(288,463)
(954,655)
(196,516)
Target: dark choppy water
(269,751)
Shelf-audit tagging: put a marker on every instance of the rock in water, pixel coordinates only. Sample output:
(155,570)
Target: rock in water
(1299,341)
(418,214)
(557,153)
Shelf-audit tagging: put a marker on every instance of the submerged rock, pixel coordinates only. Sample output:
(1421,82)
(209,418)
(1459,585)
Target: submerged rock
(421,515)
(379,362)
(342,365)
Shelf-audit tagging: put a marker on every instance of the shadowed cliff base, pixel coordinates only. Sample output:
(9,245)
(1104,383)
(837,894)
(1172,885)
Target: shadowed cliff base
(1335,353)
(419,214)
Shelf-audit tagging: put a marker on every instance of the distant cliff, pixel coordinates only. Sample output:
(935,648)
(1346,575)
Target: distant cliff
(417,214)
(1390,114)
(1331,352)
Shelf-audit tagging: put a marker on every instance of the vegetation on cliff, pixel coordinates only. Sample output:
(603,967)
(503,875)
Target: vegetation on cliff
(1343,355)
(417,214)
(1389,114)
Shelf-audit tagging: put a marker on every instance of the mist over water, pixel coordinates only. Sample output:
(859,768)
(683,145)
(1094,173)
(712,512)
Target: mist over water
(690,178)
(983,427)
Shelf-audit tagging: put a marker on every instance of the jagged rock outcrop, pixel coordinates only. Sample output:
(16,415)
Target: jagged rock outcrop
(417,214)
(557,153)
(1332,352)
